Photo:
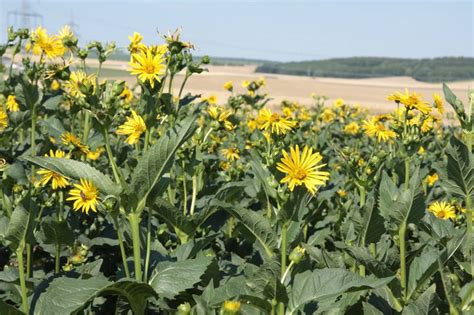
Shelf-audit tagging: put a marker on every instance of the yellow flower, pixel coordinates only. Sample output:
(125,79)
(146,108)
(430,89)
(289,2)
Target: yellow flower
(55,85)
(148,66)
(245,84)
(136,44)
(85,196)
(432,179)
(339,102)
(231,307)
(274,122)
(351,128)
(133,127)
(3,120)
(57,180)
(287,112)
(51,46)
(94,155)
(126,95)
(341,193)
(231,154)
(65,33)
(12,104)
(252,124)
(377,129)
(421,151)
(79,79)
(328,115)
(302,169)
(442,210)
(438,102)
(213,111)
(261,82)
(211,99)
(229,86)
(427,124)
(411,101)
(224,165)
(68,138)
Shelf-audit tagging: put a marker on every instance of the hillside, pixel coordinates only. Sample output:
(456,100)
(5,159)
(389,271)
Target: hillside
(427,70)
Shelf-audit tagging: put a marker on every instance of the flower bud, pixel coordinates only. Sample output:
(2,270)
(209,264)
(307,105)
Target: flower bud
(230,308)
(184,309)
(297,254)
(205,60)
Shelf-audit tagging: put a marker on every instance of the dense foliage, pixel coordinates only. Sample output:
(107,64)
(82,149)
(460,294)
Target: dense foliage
(141,199)
(427,70)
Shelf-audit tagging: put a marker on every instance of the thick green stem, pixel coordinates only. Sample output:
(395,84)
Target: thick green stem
(122,247)
(470,235)
(185,192)
(284,230)
(114,166)
(194,194)
(59,218)
(21,272)
(86,126)
(362,194)
(287,271)
(182,85)
(407,174)
(403,266)
(134,220)
(148,245)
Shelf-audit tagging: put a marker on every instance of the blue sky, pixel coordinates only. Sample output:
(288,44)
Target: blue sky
(274,30)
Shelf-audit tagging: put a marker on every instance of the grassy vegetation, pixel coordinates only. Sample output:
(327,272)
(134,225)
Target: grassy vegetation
(428,70)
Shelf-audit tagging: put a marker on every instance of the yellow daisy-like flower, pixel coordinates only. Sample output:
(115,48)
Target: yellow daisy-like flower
(126,95)
(57,180)
(12,104)
(328,115)
(245,84)
(78,79)
(51,46)
(377,129)
(85,196)
(3,120)
(438,102)
(432,179)
(231,307)
(411,101)
(68,138)
(94,155)
(231,154)
(442,210)
(261,82)
(229,86)
(133,127)
(421,151)
(136,44)
(211,99)
(274,122)
(65,33)
(148,66)
(339,102)
(302,169)
(351,128)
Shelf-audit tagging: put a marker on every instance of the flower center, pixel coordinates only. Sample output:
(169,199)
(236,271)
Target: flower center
(150,68)
(274,117)
(86,196)
(299,174)
(441,214)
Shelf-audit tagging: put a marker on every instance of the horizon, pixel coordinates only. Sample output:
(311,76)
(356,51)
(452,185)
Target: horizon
(303,30)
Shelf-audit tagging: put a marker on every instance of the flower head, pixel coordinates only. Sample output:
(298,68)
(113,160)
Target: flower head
(85,196)
(68,138)
(432,179)
(57,180)
(328,115)
(12,104)
(134,126)
(442,210)
(411,101)
(274,122)
(136,44)
(351,128)
(231,153)
(231,307)
(51,46)
(65,33)
(148,65)
(79,82)
(438,102)
(302,169)
(229,86)
(3,120)
(377,129)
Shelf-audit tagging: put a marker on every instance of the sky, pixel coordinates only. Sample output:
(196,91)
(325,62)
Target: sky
(271,30)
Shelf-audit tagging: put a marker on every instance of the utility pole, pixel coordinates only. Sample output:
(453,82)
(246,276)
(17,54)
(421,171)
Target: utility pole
(23,17)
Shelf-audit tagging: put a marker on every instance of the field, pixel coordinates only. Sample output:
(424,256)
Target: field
(165,185)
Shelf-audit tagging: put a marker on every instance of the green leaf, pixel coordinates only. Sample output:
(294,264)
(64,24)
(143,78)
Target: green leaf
(458,177)
(52,103)
(255,224)
(20,227)
(262,175)
(401,206)
(70,295)
(373,224)
(7,309)
(28,93)
(75,169)
(456,104)
(374,265)
(158,160)
(421,269)
(425,304)
(172,278)
(55,232)
(326,283)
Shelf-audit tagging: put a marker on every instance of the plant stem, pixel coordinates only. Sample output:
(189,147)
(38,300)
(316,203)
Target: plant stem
(452,307)
(403,268)
(470,234)
(182,85)
(122,247)
(362,194)
(29,253)
(148,245)
(185,192)
(86,128)
(21,272)
(407,173)
(194,194)
(59,218)
(111,157)
(134,220)
(284,230)
(282,281)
